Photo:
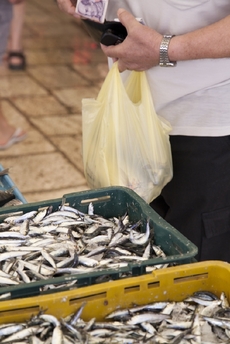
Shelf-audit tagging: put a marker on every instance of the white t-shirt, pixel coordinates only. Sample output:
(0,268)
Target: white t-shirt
(194,96)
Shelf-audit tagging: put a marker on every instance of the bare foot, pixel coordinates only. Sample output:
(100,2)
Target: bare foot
(17,136)
(9,134)
(6,132)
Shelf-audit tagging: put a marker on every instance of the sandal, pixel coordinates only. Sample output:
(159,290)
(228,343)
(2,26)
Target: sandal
(17,66)
(18,136)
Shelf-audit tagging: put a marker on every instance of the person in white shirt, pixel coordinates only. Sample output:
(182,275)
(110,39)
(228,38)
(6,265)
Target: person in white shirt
(184,47)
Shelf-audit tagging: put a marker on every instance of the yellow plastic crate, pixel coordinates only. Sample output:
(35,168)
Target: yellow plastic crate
(172,284)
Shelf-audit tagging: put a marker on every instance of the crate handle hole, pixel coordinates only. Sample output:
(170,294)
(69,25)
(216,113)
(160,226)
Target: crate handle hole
(93,297)
(96,200)
(191,278)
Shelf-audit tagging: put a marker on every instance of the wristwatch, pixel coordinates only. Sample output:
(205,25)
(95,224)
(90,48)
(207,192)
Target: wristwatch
(164,59)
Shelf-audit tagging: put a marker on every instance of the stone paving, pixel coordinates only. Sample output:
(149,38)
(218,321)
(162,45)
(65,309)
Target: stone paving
(64,65)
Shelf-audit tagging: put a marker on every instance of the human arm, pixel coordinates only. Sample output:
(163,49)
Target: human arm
(140,50)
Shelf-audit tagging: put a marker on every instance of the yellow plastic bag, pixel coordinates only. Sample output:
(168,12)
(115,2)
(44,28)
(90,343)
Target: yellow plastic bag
(125,143)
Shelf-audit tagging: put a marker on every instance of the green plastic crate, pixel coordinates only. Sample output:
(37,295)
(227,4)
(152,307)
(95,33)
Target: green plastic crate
(110,202)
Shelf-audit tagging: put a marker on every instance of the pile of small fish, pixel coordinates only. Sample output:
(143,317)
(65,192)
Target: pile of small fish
(42,244)
(201,318)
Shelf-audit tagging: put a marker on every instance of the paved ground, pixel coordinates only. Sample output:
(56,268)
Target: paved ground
(64,66)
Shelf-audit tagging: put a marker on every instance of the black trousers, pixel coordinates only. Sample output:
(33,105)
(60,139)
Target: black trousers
(197,200)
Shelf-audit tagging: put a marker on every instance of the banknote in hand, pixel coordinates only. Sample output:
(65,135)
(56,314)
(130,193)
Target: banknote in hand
(92,9)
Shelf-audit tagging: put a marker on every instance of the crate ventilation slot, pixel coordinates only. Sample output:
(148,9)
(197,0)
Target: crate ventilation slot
(20,311)
(191,278)
(88,298)
(131,289)
(154,285)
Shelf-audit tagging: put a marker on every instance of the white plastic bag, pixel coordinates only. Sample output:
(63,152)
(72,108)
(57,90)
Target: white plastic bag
(125,143)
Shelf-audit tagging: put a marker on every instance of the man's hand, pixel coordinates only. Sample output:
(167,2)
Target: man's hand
(140,50)
(68,6)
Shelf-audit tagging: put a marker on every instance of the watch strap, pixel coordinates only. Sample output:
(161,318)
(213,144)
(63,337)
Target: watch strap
(164,59)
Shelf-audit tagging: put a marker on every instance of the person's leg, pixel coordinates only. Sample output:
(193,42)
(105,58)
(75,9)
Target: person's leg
(6,130)
(197,200)
(8,133)
(16,58)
